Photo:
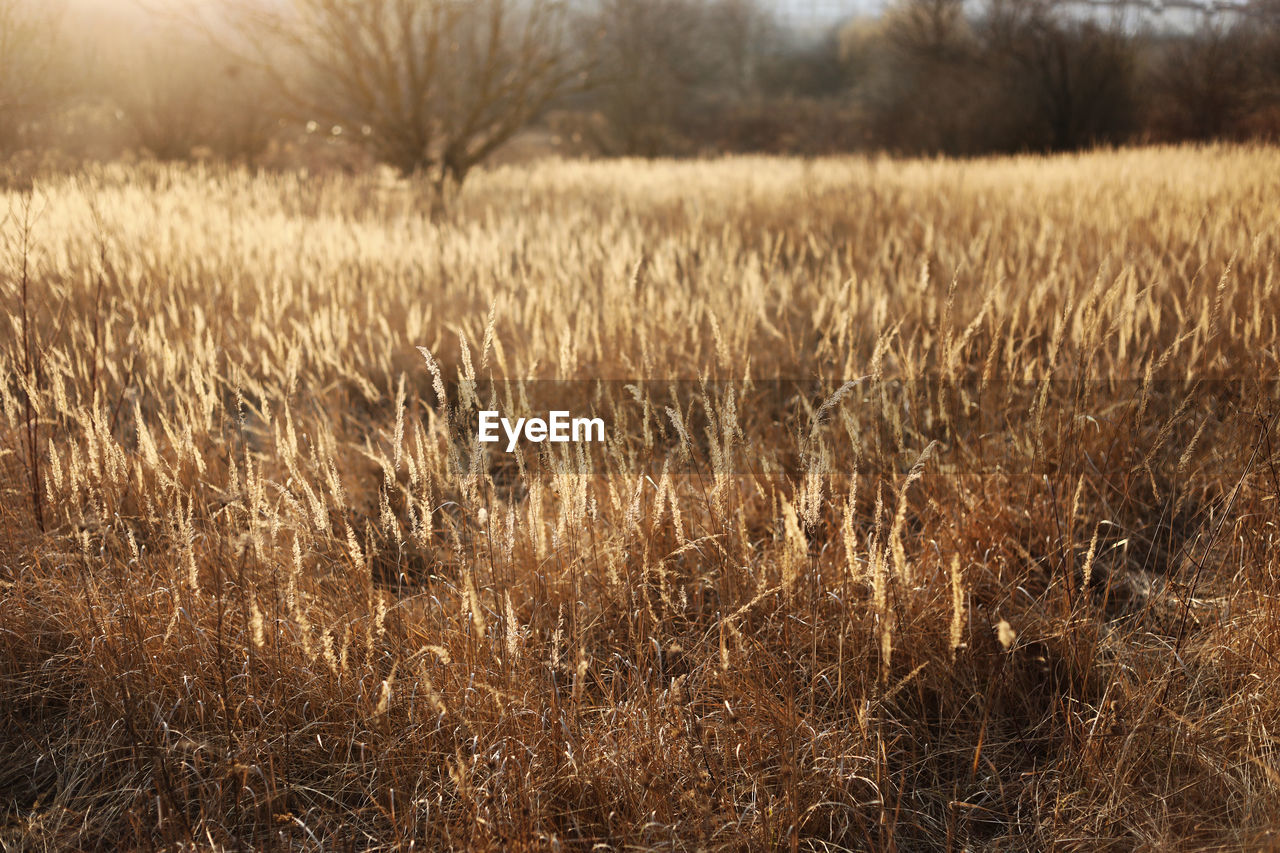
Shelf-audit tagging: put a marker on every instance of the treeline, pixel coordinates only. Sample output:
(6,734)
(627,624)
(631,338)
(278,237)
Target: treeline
(936,76)
(439,86)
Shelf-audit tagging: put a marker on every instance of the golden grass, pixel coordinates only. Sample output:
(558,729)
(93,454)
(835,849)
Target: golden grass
(1013,587)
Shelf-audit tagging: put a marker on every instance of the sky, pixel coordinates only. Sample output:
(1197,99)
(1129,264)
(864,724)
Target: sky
(799,12)
(820,12)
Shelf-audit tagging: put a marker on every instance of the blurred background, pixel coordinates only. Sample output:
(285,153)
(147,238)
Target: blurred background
(437,86)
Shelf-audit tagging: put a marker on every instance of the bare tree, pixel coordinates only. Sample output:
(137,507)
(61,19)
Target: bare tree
(162,96)
(1266,16)
(1077,74)
(931,30)
(999,75)
(661,65)
(745,32)
(1207,83)
(179,94)
(432,87)
(920,80)
(31,82)
(647,67)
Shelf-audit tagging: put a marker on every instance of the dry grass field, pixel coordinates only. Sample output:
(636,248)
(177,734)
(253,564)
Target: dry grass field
(937,508)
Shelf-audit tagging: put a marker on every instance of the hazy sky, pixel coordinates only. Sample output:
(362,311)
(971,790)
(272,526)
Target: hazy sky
(823,11)
(800,12)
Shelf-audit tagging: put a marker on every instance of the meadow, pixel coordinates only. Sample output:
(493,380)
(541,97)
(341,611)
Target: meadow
(937,507)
